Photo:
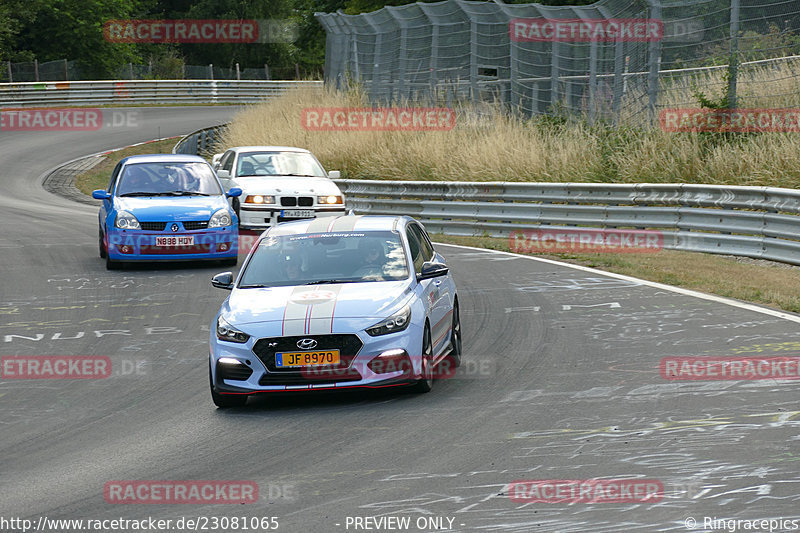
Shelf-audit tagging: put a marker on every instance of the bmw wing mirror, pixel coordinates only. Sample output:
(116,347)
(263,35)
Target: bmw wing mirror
(101,194)
(234,192)
(223,174)
(432,269)
(223,280)
(334,174)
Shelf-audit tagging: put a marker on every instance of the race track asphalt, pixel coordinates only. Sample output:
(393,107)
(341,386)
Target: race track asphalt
(560,382)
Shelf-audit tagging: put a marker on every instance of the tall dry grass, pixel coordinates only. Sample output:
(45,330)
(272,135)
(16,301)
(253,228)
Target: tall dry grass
(489,145)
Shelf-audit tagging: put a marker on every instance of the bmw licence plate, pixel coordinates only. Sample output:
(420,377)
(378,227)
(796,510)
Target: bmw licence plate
(176,240)
(291,359)
(297,213)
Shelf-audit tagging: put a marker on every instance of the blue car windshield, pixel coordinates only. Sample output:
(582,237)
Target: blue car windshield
(321,258)
(168,179)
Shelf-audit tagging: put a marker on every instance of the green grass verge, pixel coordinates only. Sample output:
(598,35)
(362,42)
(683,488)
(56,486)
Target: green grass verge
(98,176)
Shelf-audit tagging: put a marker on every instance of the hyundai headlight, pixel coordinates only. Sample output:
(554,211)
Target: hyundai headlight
(226,332)
(220,219)
(126,220)
(397,322)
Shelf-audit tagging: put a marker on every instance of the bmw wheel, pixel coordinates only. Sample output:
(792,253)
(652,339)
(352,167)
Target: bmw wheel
(425,384)
(224,401)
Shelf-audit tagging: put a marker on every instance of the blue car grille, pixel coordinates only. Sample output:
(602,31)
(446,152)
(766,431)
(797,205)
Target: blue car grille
(347,344)
(153,226)
(189,225)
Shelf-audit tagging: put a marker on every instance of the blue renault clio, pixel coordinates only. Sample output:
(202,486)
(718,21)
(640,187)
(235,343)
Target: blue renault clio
(166,207)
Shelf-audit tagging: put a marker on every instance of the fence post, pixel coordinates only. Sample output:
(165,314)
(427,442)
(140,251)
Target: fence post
(434,64)
(592,81)
(654,59)
(211,71)
(66,71)
(297,71)
(473,58)
(238,76)
(130,68)
(266,71)
(10,76)
(619,65)
(733,63)
(554,74)
(36,68)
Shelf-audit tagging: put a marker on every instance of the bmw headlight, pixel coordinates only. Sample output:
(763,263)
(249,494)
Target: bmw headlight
(126,220)
(259,199)
(226,332)
(331,199)
(397,322)
(220,219)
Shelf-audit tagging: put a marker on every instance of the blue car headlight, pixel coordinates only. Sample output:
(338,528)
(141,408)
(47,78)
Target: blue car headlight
(220,219)
(126,220)
(397,322)
(226,332)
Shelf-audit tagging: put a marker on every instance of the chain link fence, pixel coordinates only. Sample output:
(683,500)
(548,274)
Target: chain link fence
(615,60)
(64,70)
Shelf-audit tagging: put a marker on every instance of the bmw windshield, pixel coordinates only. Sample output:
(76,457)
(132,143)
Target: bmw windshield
(322,258)
(278,164)
(168,179)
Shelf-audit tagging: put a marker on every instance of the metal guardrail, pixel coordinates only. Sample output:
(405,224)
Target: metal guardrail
(199,142)
(142,92)
(757,222)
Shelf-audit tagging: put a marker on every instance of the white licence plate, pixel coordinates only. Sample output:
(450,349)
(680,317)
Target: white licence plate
(297,213)
(177,240)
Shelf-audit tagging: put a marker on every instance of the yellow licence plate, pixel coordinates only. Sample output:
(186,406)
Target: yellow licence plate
(321,357)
